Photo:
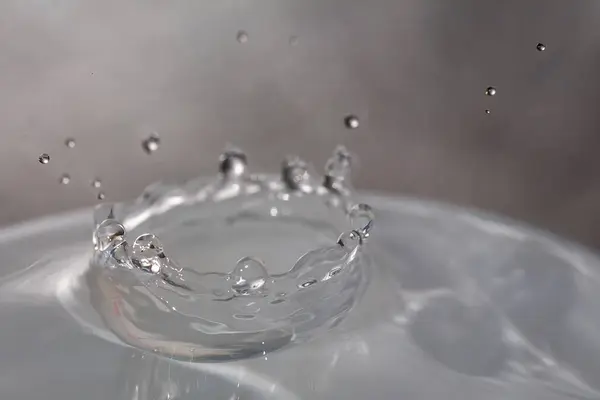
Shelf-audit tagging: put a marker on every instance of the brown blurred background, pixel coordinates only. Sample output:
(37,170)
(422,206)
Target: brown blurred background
(108,73)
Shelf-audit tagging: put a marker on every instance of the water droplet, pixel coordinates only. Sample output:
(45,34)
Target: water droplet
(147,253)
(65,179)
(351,122)
(242,37)
(349,240)
(293,40)
(151,143)
(96,183)
(488,112)
(249,277)
(101,196)
(307,283)
(294,174)
(233,162)
(540,47)
(490,91)
(70,143)
(108,233)
(338,166)
(44,158)
(361,217)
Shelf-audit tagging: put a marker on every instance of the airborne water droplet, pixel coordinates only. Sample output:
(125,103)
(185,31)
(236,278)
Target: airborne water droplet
(249,277)
(293,40)
(96,183)
(488,112)
(65,179)
(101,196)
(151,143)
(70,143)
(351,122)
(242,37)
(44,158)
(540,47)
(490,91)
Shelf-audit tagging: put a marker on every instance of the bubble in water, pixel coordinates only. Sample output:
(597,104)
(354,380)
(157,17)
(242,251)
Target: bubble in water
(249,277)
(490,91)
(65,179)
(109,232)
(44,158)
(488,112)
(351,122)
(70,143)
(96,183)
(242,37)
(147,253)
(540,47)
(101,196)
(151,143)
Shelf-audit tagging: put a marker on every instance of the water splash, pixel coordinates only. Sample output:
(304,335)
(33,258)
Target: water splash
(154,302)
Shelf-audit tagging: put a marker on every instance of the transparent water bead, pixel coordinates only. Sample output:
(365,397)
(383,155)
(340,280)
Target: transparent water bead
(295,175)
(361,218)
(490,91)
(232,163)
(151,143)
(351,122)
(70,143)
(65,179)
(249,277)
(147,254)
(44,158)
(107,234)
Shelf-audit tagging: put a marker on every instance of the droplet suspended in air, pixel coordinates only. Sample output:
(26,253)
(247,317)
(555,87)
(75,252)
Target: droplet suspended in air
(249,277)
(242,37)
(96,183)
(101,196)
(293,40)
(490,91)
(351,122)
(488,112)
(540,47)
(44,158)
(151,143)
(65,179)
(70,143)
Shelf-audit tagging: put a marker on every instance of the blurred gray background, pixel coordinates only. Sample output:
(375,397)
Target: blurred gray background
(108,73)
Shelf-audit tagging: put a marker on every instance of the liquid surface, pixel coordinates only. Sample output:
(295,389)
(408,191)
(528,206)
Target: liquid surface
(458,306)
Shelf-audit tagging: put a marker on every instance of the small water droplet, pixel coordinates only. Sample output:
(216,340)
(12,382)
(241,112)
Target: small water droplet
(96,183)
(293,40)
(490,91)
(540,47)
(295,174)
(338,166)
(151,143)
(70,143)
(361,217)
(349,240)
(249,277)
(233,162)
(101,196)
(65,179)
(44,158)
(308,283)
(351,122)
(242,37)
(147,253)
(488,112)
(108,233)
